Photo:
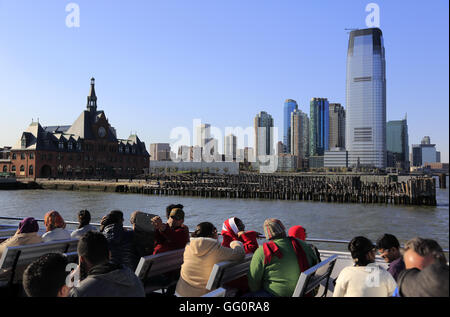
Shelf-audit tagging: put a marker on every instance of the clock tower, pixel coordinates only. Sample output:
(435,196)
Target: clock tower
(92,98)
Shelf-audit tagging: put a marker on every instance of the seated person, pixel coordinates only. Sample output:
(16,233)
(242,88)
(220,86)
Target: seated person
(300,233)
(277,264)
(233,230)
(173,235)
(365,278)
(27,233)
(170,207)
(46,276)
(55,227)
(200,255)
(84,218)
(121,242)
(389,249)
(144,234)
(104,278)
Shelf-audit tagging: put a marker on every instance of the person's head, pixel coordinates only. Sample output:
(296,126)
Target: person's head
(53,220)
(297,232)
(419,253)
(113,217)
(205,230)
(362,251)
(172,206)
(388,247)
(46,276)
(84,218)
(274,229)
(28,225)
(239,224)
(432,281)
(133,217)
(92,249)
(176,218)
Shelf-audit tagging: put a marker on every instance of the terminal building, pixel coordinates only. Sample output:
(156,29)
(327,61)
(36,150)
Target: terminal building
(89,148)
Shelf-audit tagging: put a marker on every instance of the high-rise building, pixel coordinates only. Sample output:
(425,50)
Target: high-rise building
(289,106)
(426,140)
(336,126)
(397,144)
(203,134)
(230,147)
(424,153)
(318,126)
(299,135)
(280,148)
(160,152)
(263,124)
(365,137)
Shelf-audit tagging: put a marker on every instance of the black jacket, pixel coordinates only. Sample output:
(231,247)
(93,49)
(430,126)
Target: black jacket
(122,246)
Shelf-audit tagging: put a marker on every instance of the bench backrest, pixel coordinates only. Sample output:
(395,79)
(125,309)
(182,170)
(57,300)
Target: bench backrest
(72,257)
(314,276)
(157,264)
(227,271)
(20,256)
(220,292)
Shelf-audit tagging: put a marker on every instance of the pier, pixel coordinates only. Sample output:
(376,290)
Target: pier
(366,189)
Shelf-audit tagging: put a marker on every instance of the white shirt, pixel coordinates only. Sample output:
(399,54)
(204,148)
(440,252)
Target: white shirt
(56,234)
(76,234)
(364,281)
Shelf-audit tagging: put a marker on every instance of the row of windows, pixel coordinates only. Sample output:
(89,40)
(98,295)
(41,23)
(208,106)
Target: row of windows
(22,156)
(21,169)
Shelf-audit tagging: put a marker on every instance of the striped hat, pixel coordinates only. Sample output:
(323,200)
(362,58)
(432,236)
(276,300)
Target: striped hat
(273,228)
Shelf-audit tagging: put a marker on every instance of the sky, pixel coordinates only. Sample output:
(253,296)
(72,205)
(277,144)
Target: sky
(160,64)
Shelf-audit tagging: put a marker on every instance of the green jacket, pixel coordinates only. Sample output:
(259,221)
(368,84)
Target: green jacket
(280,276)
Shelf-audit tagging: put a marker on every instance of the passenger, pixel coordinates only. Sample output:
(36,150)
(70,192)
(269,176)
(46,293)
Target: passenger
(277,264)
(55,226)
(144,239)
(426,273)
(170,207)
(120,241)
(233,230)
(300,233)
(173,235)
(104,278)
(46,276)
(84,218)
(200,255)
(389,249)
(365,278)
(27,233)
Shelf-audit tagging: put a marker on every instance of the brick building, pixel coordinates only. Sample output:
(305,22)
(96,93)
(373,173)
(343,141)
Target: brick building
(89,148)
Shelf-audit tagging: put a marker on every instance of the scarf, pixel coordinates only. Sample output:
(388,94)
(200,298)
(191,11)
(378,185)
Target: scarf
(28,225)
(229,226)
(270,249)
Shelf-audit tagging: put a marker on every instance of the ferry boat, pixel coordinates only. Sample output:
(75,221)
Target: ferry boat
(343,259)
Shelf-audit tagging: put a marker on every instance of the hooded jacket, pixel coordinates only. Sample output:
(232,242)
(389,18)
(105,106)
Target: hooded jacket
(200,255)
(109,280)
(122,246)
(230,233)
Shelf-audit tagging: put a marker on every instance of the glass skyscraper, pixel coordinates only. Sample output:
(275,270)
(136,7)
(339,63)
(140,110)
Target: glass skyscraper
(397,144)
(318,126)
(365,133)
(289,106)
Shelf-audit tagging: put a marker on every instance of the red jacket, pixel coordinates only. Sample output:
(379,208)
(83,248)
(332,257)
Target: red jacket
(171,239)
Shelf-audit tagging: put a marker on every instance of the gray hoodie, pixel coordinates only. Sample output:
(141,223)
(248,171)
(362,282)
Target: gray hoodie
(109,280)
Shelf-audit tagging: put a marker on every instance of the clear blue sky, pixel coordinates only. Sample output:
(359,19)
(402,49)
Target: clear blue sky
(159,64)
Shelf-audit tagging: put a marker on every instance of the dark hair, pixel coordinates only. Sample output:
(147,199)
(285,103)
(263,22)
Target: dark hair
(45,276)
(239,224)
(114,217)
(204,229)
(93,246)
(172,206)
(359,247)
(425,248)
(388,241)
(84,218)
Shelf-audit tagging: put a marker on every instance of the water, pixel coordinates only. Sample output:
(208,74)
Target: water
(321,220)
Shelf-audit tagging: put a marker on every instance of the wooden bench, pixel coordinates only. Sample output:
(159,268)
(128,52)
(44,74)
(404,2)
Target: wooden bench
(14,260)
(315,276)
(153,267)
(227,271)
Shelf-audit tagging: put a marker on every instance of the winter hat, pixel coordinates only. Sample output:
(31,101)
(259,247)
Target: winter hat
(230,226)
(273,228)
(298,232)
(28,225)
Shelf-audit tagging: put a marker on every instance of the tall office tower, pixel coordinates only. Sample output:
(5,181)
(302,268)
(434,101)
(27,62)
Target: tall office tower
(263,123)
(336,126)
(280,148)
(230,148)
(318,126)
(289,106)
(397,144)
(160,152)
(203,134)
(365,132)
(299,135)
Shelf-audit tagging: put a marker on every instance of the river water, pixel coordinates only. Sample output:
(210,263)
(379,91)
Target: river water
(321,220)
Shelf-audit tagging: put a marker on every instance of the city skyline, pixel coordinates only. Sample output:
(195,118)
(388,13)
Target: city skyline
(33,79)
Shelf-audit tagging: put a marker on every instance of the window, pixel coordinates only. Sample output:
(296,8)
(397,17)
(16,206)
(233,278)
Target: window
(79,146)
(13,168)
(24,143)
(120,149)
(5,168)
(31,156)
(134,150)
(61,145)
(22,168)
(14,156)
(69,146)
(30,170)
(127,149)
(22,156)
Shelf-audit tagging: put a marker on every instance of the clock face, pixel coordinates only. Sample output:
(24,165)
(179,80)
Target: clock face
(101,132)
